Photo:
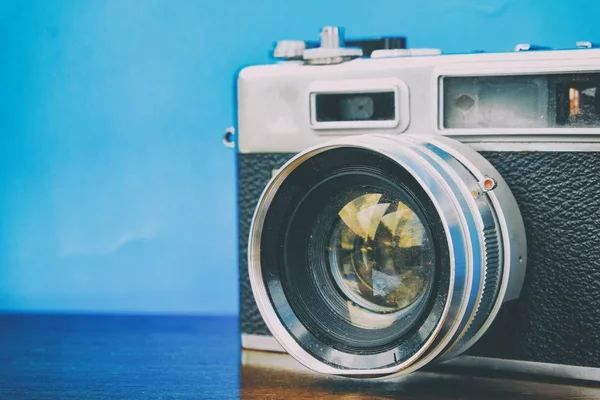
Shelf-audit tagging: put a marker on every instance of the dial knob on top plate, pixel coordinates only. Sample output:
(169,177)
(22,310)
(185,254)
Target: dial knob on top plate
(332,37)
(331,50)
(289,49)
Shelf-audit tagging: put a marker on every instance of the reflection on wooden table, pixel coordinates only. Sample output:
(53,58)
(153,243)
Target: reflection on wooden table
(278,376)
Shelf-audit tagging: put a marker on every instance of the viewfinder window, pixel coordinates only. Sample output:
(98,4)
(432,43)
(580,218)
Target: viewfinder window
(343,107)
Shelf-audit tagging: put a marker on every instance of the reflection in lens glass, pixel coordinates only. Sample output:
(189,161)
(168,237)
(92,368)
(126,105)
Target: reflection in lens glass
(380,256)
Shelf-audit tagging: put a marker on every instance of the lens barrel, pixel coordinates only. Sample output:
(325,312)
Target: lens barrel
(375,255)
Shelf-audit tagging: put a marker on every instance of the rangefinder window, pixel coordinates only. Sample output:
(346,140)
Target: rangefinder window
(577,100)
(343,107)
(523,101)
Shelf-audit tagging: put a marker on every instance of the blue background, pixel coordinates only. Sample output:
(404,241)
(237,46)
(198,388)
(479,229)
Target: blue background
(116,194)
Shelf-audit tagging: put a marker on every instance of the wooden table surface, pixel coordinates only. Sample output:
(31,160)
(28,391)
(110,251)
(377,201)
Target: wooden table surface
(150,357)
(278,376)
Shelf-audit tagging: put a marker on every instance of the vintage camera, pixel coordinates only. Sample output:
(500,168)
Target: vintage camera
(400,209)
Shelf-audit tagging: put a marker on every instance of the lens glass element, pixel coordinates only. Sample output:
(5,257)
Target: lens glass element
(380,255)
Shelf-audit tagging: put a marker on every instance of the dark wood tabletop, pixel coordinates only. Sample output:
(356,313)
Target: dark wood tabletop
(278,376)
(166,357)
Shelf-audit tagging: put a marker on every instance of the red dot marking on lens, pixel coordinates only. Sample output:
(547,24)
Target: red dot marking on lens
(488,184)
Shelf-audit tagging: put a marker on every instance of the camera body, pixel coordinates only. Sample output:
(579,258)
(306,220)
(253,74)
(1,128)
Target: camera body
(534,115)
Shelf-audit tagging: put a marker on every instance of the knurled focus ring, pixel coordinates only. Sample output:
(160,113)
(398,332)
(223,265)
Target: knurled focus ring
(491,283)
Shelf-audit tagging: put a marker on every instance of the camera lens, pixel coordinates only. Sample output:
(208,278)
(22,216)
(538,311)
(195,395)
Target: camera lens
(377,255)
(380,254)
(355,262)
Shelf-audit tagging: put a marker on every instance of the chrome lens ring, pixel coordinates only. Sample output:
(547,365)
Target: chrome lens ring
(285,304)
(450,179)
(487,268)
